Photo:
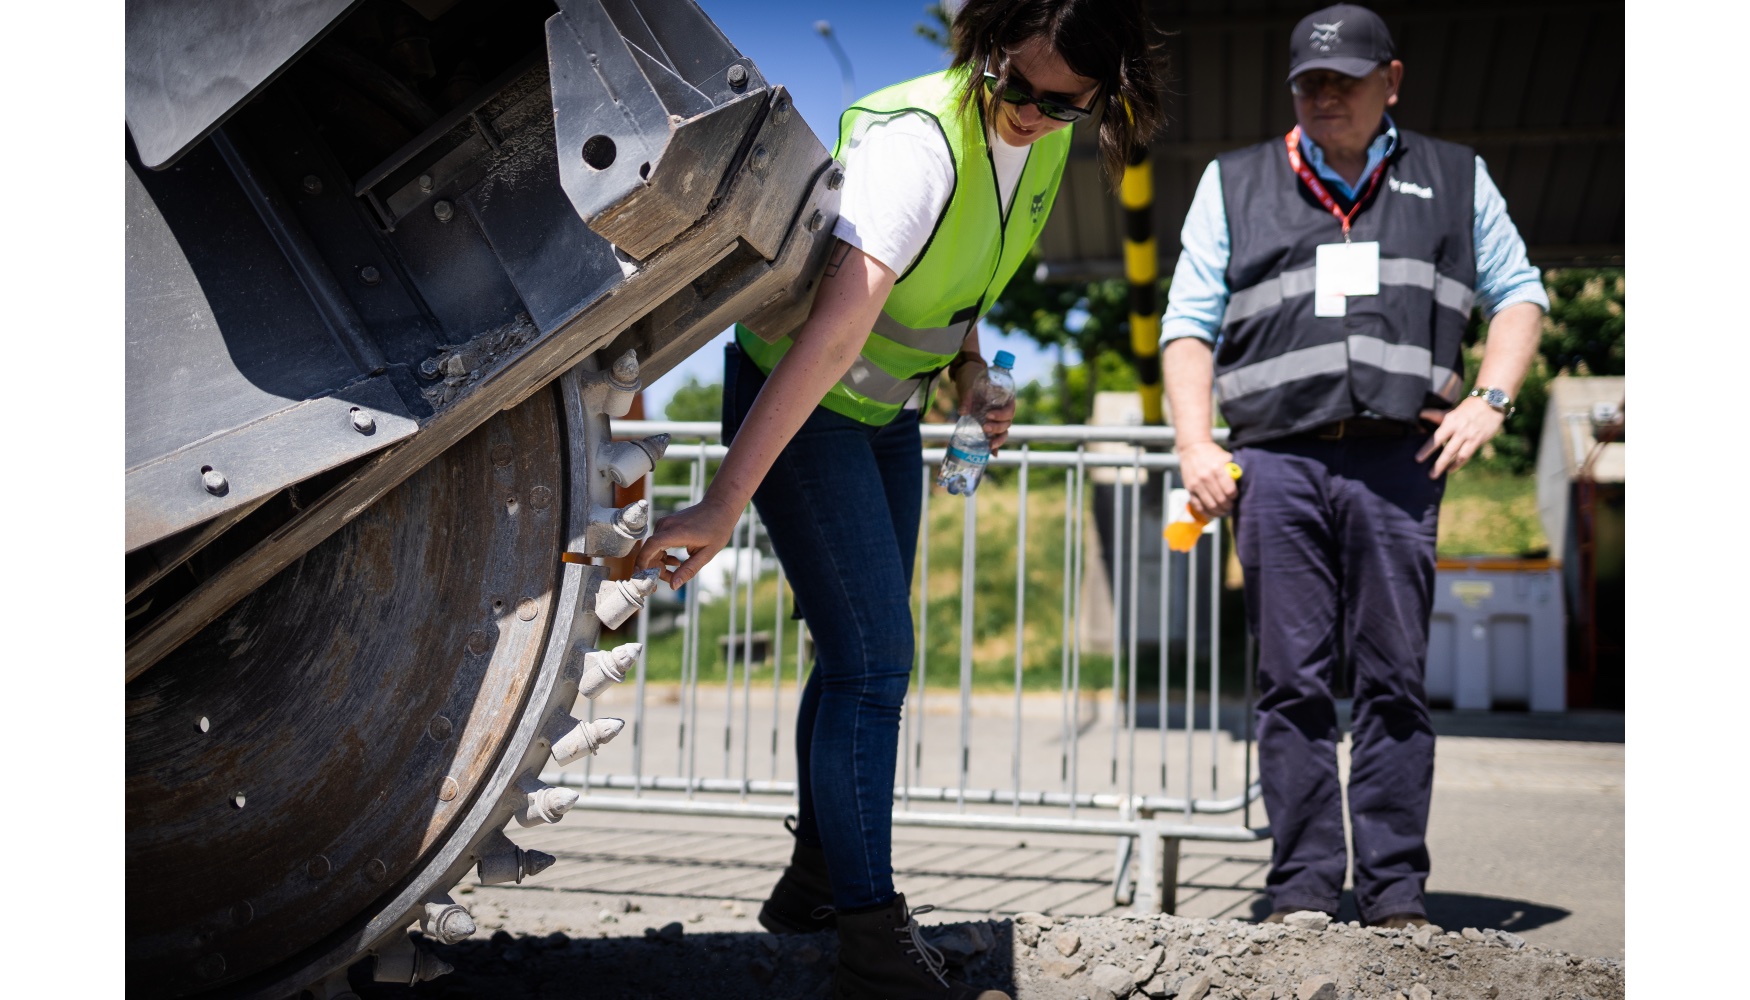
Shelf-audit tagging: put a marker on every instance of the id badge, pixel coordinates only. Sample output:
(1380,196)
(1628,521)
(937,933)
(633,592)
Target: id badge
(1341,270)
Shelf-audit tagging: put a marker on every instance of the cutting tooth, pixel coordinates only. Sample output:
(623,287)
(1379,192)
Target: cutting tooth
(446,921)
(618,600)
(625,370)
(573,739)
(502,861)
(543,803)
(626,462)
(604,668)
(402,961)
(632,519)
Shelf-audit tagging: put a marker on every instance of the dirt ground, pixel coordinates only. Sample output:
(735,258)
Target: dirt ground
(1035,957)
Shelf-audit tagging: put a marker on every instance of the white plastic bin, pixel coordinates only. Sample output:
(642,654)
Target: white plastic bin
(1497,638)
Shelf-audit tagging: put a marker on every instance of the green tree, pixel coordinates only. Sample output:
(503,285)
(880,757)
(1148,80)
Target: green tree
(696,401)
(938,29)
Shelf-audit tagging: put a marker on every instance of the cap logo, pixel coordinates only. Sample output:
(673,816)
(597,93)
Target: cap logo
(1324,36)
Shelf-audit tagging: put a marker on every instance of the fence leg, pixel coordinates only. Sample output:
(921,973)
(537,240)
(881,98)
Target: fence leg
(1157,875)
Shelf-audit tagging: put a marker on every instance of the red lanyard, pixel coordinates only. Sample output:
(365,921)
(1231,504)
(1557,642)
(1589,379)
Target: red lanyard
(1312,182)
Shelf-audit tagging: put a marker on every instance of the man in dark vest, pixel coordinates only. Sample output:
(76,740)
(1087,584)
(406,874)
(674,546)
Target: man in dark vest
(1323,288)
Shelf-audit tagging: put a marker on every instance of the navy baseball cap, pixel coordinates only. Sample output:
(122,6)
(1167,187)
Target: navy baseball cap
(1347,38)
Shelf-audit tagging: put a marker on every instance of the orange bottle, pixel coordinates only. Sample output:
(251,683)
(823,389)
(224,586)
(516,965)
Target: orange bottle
(1181,536)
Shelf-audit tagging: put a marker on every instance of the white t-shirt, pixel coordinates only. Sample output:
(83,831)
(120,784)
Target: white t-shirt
(898,177)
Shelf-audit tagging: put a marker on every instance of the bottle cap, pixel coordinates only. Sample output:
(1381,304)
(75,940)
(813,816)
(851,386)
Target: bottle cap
(1005,360)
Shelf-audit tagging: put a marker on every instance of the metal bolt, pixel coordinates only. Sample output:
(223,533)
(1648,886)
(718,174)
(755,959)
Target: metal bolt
(835,180)
(202,724)
(501,455)
(443,210)
(375,870)
(816,221)
(211,967)
(527,609)
(242,913)
(312,184)
(370,275)
(363,422)
(429,368)
(781,109)
(738,76)
(318,867)
(477,642)
(541,498)
(214,481)
(238,800)
(447,791)
(425,183)
(440,728)
(758,159)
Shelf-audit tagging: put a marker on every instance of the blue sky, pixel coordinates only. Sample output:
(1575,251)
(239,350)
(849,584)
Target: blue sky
(883,48)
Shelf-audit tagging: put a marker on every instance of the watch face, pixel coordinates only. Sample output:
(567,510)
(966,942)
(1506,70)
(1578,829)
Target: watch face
(1496,398)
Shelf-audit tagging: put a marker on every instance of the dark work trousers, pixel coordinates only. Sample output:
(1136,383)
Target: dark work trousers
(841,506)
(1336,539)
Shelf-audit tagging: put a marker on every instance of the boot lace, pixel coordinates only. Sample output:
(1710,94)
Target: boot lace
(928,956)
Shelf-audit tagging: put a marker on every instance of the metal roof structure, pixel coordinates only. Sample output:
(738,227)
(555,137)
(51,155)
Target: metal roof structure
(1536,88)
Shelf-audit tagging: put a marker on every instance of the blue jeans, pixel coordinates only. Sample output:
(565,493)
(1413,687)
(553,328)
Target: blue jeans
(1337,542)
(841,506)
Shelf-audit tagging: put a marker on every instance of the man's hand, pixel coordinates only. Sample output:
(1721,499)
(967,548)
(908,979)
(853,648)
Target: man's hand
(1203,464)
(702,529)
(1464,429)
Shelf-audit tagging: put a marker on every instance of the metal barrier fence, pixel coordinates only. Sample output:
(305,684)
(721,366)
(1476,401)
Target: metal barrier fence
(1150,794)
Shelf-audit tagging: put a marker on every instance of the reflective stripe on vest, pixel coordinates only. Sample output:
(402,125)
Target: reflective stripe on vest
(1272,292)
(1328,359)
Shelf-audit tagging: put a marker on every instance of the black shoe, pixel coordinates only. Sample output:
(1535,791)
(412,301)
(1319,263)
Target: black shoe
(882,956)
(801,902)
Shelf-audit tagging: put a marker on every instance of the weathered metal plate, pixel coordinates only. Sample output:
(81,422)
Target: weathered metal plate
(356,703)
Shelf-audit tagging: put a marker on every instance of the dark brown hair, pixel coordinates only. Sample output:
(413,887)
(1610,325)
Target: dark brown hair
(1110,41)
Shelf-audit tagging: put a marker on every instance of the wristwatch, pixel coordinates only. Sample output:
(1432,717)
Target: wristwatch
(1497,399)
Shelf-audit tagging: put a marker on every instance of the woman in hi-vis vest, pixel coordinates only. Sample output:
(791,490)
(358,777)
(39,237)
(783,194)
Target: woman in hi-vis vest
(948,182)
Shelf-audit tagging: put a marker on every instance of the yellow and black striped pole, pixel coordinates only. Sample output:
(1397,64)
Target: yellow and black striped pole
(1142,270)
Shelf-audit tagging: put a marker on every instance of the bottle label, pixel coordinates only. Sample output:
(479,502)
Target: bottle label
(968,457)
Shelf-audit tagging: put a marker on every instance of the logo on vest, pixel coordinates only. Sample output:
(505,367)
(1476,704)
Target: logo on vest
(1038,205)
(1324,36)
(1405,187)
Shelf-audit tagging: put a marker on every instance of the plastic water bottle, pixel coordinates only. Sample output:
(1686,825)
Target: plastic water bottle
(969,449)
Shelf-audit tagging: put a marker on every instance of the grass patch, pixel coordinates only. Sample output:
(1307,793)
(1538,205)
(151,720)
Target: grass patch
(1488,512)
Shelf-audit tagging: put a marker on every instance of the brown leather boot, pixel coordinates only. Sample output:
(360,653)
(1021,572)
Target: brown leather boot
(882,956)
(802,891)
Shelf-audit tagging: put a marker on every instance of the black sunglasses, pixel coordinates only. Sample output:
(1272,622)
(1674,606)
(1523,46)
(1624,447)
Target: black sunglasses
(1055,110)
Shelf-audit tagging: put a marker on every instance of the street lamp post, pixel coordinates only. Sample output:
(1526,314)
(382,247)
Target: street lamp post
(847,81)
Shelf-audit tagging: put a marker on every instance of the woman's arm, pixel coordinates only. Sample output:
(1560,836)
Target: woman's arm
(852,292)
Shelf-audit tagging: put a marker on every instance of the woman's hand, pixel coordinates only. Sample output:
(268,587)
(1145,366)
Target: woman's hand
(702,529)
(1203,464)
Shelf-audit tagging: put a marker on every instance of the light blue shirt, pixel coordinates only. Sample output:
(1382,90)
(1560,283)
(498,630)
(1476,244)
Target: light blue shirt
(1199,293)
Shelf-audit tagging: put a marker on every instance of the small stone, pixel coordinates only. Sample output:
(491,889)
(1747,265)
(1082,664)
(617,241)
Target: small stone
(1491,991)
(558,939)
(1420,992)
(1114,980)
(1062,968)
(627,906)
(1034,919)
(1267,993)
(1067,943)
(1151,963)
(727,904)
(693,918)
(1423,937)
(1195,988)
(1317,988)
(1307,920)
(1156,987)
(762,969)
(961,943)
(1472,934)
(1353,924)
(1452,965)
(607,917)
(738,912)
(1575,959)
(1027,934)
(1262,935)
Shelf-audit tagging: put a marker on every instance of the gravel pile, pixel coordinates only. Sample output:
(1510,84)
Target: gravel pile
(1037,957)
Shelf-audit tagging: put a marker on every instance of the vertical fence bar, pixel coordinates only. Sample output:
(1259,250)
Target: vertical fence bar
(690,658)
(1069,478)
(915,759)
(729,645)
(1215,568)
(1166,624)
(968,560)
(753,579)
(1075,656)
(1117,617)
(638,731)
(1190,673)
(1135,602)
(777,665)
(1020,621)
